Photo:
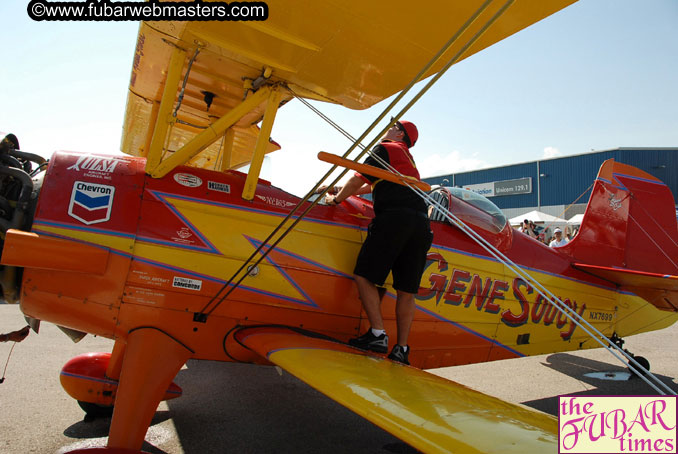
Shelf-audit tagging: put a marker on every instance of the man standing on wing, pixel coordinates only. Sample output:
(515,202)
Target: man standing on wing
(398,239)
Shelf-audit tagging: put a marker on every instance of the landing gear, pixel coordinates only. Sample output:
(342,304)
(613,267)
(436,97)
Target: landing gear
(88,378)
(642,361)
(94,411)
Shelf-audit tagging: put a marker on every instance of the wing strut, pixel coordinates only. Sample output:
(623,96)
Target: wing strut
(262,140)
(154,153)
(229,286)
(165,113)
(209,135)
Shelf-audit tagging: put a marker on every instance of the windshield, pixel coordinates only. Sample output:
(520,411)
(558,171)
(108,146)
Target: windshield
(488,210)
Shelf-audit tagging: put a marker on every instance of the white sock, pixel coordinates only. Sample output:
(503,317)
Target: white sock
(405,348)
(378,332)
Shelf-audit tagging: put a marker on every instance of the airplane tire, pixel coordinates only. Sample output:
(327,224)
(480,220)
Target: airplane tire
(94,411)
(643,362)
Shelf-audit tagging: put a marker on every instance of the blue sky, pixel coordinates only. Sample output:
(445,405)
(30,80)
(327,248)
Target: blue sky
(600,74)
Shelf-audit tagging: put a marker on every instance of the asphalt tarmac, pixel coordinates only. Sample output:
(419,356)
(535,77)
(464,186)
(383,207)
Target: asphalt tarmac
(240,408)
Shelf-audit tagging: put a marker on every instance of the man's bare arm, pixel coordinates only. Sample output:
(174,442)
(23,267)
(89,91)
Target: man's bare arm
(354,186)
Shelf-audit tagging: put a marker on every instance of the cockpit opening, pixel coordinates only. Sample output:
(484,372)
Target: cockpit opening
(469,207)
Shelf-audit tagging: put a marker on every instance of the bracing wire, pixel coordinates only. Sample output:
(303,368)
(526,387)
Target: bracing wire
(562,215)
(661,229)
(648,216)
(7,363)
(653,241)
(180,98)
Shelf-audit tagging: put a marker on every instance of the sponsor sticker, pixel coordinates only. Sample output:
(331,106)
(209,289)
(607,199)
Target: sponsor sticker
(184,235)
(615,204)
(221,187)
(190,284)
(617,424)
(150,279)
(275,201)
(188,180)
(91,203)
(184,232)
(96,166)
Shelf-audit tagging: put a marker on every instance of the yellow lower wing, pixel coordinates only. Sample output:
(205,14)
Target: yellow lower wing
(430,413)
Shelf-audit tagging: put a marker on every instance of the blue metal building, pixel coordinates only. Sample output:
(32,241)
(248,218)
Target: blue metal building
(559,186)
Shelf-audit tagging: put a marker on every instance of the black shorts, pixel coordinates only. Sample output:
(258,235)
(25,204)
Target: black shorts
(398,242)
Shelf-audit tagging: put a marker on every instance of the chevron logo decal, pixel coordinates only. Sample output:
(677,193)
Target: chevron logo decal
(91,203)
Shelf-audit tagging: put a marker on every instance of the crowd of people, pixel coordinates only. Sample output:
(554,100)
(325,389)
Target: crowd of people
(555,238)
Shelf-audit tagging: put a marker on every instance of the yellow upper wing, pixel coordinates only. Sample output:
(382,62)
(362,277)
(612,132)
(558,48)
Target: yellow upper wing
(350,52)
(430,413)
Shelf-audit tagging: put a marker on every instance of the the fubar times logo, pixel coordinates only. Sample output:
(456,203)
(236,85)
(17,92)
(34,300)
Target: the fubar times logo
(617,424)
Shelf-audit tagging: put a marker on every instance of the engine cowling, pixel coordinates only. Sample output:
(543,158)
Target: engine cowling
(21,176)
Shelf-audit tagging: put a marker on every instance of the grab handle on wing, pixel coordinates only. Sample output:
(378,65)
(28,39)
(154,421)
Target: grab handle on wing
(374,171)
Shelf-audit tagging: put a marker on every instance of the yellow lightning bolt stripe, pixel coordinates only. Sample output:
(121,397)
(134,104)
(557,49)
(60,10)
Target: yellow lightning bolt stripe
(218,223)
(122,243)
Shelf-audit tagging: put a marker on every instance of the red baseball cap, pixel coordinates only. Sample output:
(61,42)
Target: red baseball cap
(411,132)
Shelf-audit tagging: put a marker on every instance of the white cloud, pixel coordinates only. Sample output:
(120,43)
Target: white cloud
(550,152)
(434,164)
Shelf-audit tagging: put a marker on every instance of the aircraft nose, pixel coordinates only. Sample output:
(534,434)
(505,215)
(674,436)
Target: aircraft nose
(20,176)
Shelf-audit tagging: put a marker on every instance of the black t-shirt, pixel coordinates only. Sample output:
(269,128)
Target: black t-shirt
(389,196)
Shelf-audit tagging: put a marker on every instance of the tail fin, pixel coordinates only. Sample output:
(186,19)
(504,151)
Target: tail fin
(629,234)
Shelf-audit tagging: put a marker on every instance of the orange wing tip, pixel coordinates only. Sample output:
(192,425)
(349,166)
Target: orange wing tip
(426,411)
(30,250)
(611,167)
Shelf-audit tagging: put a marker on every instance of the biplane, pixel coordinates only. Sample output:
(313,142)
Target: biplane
(143,249)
